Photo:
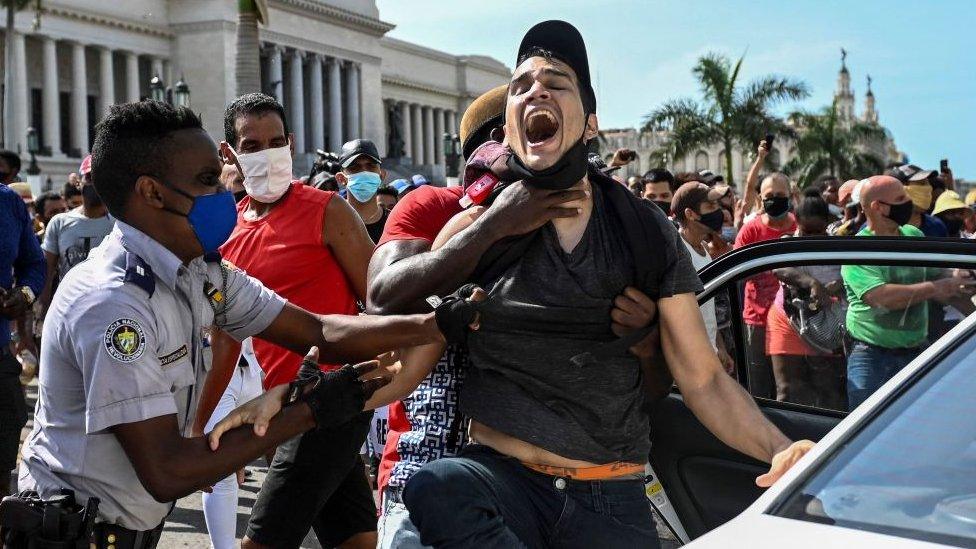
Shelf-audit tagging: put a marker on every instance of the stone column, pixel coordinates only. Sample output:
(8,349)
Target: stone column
(429,136)
(52,124)
(79,99)
(275,78)
(106,82)
(20,95)
(438,136)
(131,77)
(335,105)
(296,100)
(417,136)
(158,70)
(316,114)
(452,122)
(407,130)
(352,101)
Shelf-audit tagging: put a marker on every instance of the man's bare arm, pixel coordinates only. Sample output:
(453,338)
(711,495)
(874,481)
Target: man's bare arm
(349,338)
(226,352)
(895,297)
(404,273)
(171,466)
(415,365)
(50,275)
(345,234)
(717,400)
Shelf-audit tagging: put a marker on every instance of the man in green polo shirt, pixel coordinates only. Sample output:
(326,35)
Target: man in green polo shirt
(888,313)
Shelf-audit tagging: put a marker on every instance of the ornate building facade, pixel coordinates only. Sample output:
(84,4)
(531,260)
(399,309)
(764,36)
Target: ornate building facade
(713,157)
(328,62)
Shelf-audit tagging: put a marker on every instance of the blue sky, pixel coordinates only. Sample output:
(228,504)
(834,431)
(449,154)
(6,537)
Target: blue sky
(921,54)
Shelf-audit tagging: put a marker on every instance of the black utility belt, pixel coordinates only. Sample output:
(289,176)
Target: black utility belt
(111,536)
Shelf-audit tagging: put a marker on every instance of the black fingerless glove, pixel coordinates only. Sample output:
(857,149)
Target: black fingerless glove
(455,313)
(335,397)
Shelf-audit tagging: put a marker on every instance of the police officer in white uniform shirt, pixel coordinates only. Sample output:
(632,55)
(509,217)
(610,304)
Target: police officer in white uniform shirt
(123,341)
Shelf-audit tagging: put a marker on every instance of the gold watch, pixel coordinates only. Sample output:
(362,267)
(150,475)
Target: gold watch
(28,293)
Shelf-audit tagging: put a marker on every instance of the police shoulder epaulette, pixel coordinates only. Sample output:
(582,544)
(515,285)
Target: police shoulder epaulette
(139,273)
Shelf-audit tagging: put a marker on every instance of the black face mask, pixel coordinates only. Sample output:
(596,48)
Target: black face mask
(713,220)
(900,213)
(776,206)
(239,195)
(89,196)
(566,172)
(664,205)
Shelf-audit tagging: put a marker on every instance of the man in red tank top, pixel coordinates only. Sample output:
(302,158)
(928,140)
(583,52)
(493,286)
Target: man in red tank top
(311,248)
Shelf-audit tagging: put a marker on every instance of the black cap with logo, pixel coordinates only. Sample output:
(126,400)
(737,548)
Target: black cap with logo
(356,148)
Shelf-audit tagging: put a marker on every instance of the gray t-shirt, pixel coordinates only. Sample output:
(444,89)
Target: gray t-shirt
(71,235)
(550,307)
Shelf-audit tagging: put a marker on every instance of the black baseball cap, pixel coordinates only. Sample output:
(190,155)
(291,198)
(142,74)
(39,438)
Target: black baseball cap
(910,173)
(356,148)
(565,43)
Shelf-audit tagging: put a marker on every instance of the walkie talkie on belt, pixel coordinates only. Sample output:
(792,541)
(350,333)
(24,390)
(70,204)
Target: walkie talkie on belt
(29,522)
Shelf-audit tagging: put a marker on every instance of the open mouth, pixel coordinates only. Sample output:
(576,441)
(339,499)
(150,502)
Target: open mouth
(540,126)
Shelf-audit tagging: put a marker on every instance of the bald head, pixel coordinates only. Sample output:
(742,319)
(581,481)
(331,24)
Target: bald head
(882,188)
(774,184)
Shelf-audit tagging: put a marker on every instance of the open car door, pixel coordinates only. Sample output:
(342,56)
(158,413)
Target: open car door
(706,482)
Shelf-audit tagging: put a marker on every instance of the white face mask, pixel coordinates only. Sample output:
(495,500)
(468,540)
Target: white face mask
(267,173)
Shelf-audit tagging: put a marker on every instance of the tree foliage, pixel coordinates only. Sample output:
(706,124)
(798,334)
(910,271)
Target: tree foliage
(828,145)
(729,113)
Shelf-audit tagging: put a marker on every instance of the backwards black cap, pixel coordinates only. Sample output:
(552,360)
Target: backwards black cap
(565,43)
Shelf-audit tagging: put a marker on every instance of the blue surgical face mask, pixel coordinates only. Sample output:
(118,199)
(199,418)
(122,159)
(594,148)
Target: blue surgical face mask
(212,217)
(363,185)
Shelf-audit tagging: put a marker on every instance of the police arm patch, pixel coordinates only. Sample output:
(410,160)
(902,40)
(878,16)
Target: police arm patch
(125,340)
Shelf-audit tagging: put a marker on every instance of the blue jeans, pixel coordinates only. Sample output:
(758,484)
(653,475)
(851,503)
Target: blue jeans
(870,366)
(488,500)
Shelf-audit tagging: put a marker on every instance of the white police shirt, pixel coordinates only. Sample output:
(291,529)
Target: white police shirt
(123,342)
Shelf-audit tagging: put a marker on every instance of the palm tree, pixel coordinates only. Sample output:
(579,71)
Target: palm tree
(729,115)
(827,145)
(248,61)
(9,78)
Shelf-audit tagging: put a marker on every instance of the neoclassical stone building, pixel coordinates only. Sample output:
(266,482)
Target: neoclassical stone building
(328,61)
(713,158)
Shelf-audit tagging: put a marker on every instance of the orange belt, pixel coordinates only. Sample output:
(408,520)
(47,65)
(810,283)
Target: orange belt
(599,472)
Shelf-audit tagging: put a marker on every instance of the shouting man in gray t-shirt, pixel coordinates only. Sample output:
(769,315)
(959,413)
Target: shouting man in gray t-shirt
(560,436)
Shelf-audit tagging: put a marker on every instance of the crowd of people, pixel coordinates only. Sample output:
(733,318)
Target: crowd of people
(190,307)
(884,316)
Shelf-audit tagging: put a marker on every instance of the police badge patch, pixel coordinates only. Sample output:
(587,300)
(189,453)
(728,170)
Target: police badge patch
(125,340)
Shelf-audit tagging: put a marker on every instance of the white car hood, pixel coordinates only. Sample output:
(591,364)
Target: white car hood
(757,531)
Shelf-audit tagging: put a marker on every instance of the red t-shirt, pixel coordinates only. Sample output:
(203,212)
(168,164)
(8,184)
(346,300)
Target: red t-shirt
(761,289)
(421,214)
(285,251)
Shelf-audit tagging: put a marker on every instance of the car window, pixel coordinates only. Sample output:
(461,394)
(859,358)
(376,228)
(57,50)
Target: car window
(828,336)
(909,472)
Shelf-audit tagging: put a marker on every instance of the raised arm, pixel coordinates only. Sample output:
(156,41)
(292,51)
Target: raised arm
(749,198)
